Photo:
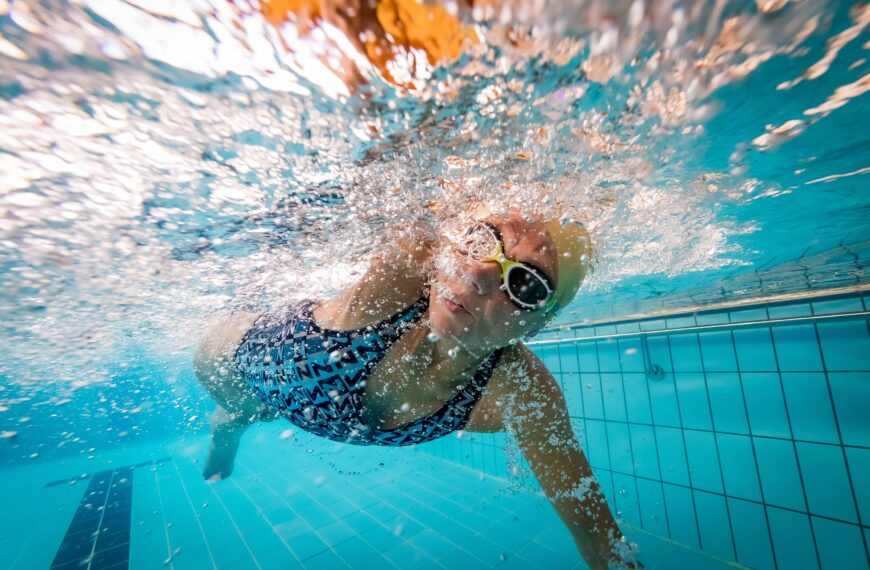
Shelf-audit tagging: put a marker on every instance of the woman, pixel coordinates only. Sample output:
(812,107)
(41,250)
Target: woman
(426,343)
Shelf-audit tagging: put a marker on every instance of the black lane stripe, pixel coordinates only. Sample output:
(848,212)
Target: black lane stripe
(98,538)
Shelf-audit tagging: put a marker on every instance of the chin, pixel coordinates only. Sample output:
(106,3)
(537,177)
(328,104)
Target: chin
(442,323)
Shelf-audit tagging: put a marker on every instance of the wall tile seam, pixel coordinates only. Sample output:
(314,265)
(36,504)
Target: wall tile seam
(845,447)
(752,445)
(840,437)
(772,438)
(776,358)
(755,437)
(738,325)
(683,438)
(716,441)
(726,496)
(603,414)
(722,432)
(648,358)
(731,371)
(630,442)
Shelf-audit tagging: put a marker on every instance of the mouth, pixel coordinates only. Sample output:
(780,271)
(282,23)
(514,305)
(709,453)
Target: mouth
(452,302)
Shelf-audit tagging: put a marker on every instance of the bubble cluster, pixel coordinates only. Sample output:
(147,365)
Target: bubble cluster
(161,167)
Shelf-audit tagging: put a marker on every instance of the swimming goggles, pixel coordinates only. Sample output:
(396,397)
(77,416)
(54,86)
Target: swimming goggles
(526,286)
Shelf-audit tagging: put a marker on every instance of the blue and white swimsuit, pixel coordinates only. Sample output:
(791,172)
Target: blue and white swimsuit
(315,377)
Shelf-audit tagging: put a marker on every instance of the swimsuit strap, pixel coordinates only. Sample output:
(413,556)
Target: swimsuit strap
(452,416)
(470,394)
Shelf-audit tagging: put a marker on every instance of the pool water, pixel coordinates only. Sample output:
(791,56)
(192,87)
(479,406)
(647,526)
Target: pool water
(721,439)
(166,163)
(148,507)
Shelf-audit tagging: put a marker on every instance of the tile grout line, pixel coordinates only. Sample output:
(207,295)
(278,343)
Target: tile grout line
(630,442)
(794,448)
(734,433)
(604,420)
(457,546)
(169,558)
(440,513)
(266,518)
(235,525)
(655,440)
(764,507)
(840,437)
(716,441)
(298,516)
(195,516)
(683,435)
(738,498)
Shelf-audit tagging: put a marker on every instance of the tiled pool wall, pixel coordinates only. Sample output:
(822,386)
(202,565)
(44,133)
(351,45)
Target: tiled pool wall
(752,443)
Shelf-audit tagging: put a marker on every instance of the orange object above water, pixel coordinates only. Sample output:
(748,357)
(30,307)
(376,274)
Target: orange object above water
(382,30)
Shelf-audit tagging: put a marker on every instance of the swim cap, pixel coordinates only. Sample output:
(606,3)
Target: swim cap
(573,250)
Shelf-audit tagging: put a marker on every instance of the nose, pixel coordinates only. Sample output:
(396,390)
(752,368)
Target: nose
(485,277)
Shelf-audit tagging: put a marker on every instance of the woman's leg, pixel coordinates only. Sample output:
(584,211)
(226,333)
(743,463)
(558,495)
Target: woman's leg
(238,405)
(226,435)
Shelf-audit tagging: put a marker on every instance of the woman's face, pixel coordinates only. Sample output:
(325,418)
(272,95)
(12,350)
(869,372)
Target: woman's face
(467,301)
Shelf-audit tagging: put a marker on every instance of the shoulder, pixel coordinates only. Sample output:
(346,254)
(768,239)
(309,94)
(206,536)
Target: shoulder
(520,371)
(520,357)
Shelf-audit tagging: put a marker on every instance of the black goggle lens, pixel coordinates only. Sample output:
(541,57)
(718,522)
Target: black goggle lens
(527,287)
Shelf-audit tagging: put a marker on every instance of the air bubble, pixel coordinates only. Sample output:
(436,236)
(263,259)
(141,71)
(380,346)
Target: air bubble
(173,554)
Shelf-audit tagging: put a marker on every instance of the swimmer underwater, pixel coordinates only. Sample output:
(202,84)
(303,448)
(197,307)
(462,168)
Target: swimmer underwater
(424,344)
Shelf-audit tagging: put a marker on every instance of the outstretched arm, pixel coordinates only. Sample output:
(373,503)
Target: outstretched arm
(395,278)
(544,435)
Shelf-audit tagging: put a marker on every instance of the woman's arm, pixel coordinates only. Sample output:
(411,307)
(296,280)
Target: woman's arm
(395,278)
(544,434)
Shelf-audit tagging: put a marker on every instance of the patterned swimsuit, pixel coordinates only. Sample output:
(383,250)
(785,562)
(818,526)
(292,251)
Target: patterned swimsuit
(315,377)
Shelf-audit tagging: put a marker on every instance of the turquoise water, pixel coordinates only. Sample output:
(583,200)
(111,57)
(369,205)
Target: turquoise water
(164,164)
(283,508)
(749,448)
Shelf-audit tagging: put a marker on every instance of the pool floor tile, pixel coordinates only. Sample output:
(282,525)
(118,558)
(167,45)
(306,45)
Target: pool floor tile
(548,557)
(326,559)
(258,518)
(406,555)
(460,558)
